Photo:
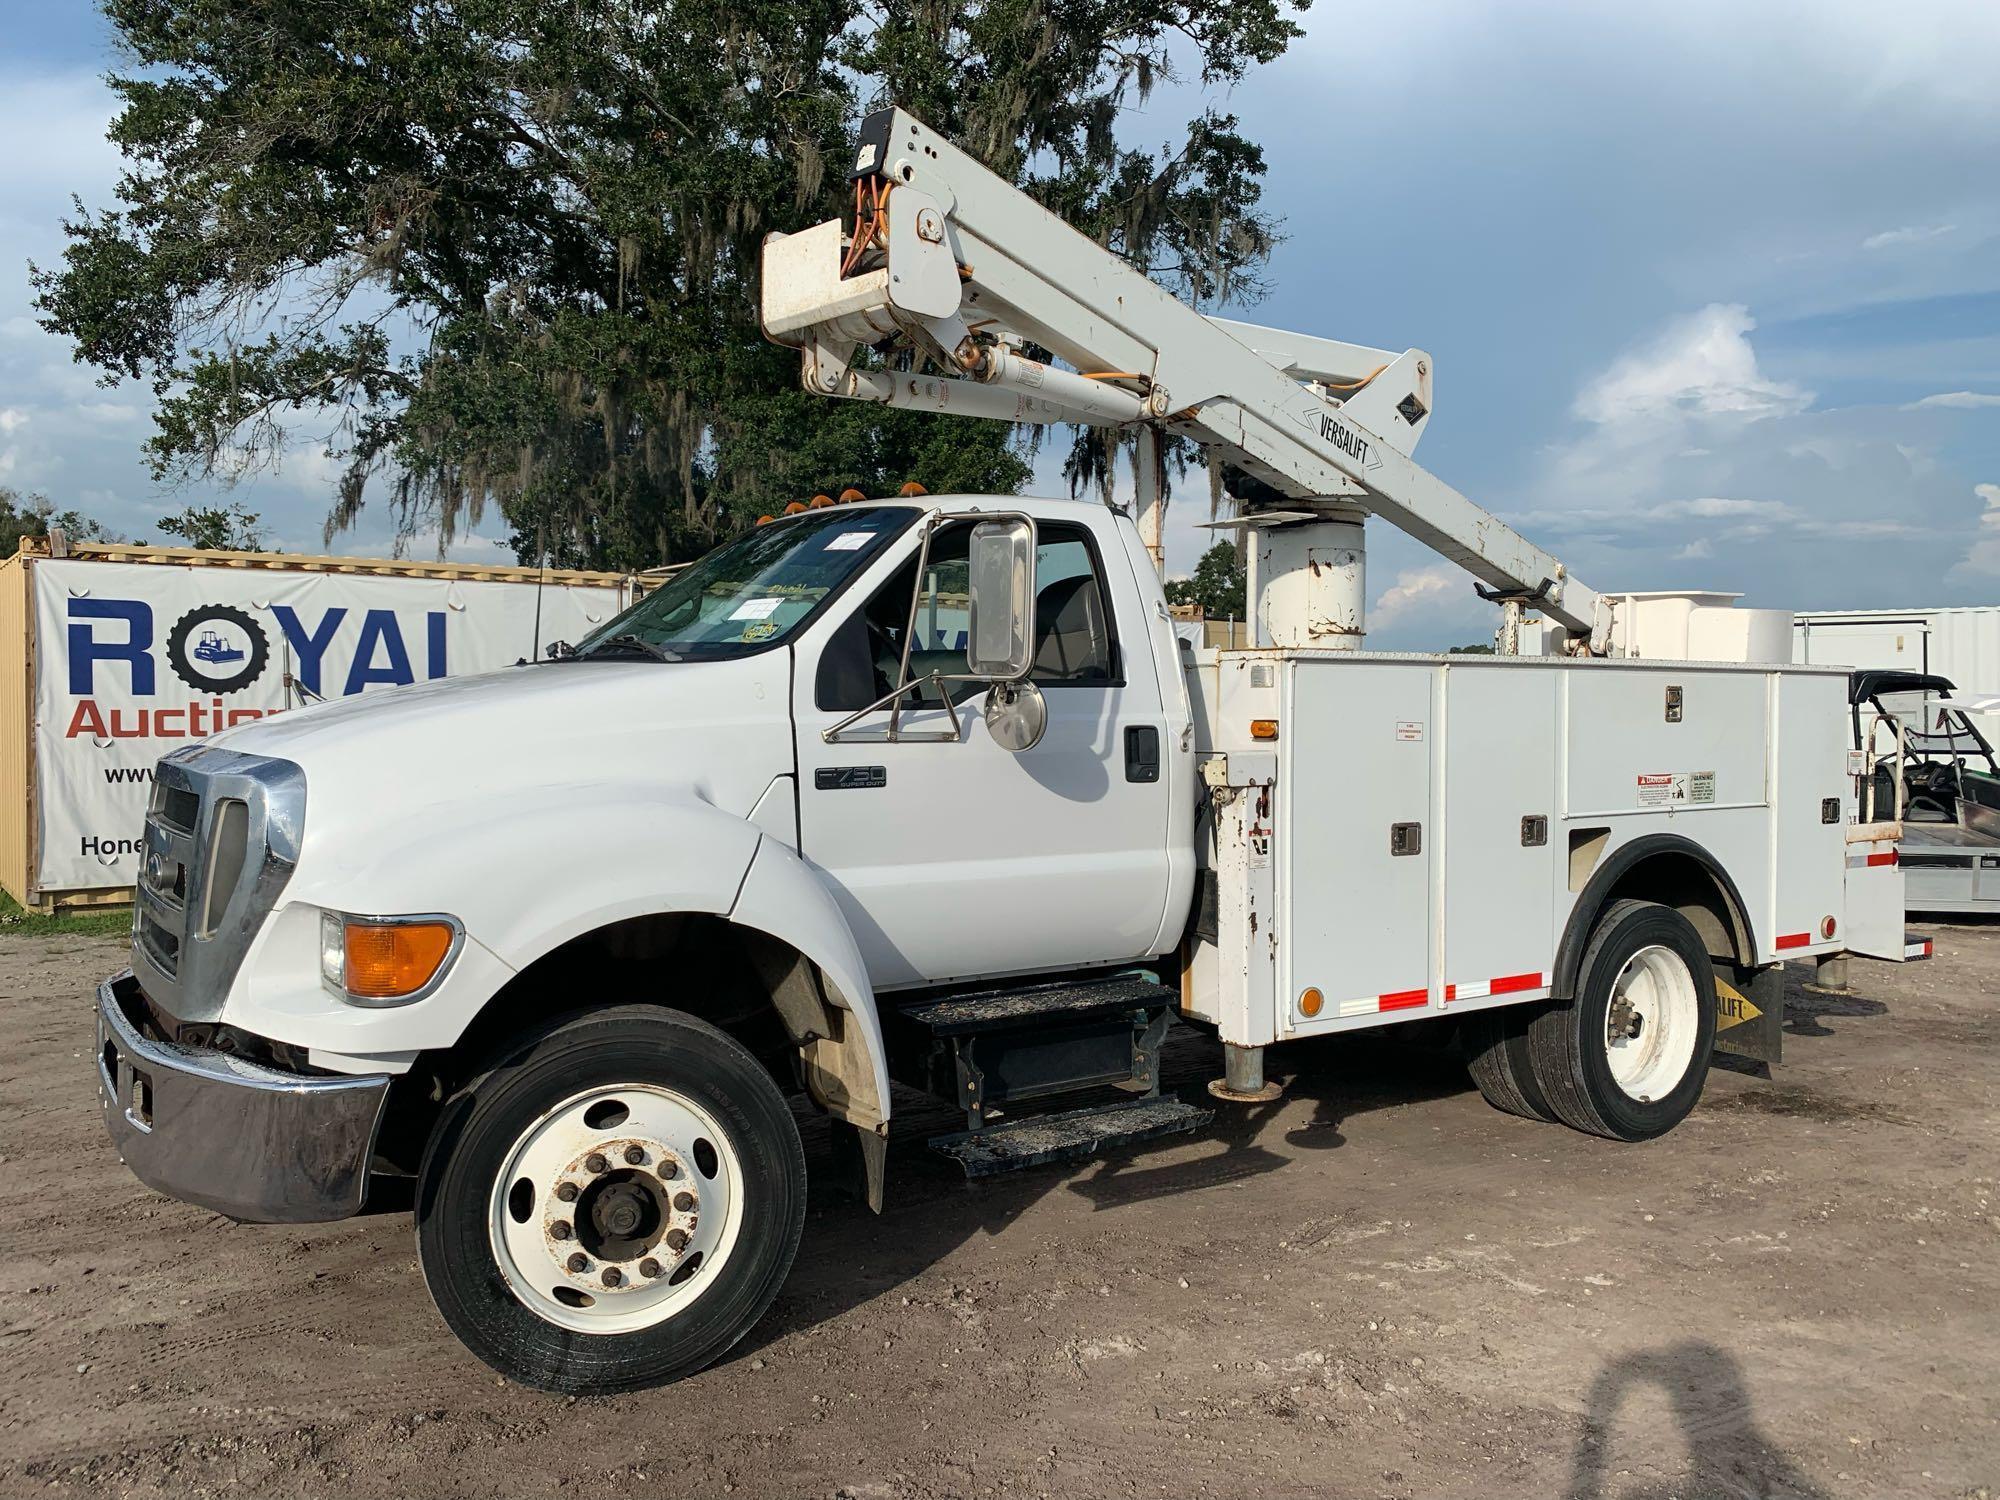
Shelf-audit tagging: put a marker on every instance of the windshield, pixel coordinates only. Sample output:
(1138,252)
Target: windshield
(754,591)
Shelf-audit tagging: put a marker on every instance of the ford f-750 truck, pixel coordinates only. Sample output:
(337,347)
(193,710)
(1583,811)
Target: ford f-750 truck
(927,790)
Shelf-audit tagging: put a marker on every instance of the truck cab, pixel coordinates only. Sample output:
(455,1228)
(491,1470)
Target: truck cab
(350,915)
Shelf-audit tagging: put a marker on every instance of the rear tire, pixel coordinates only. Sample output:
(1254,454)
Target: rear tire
(1496,1054)
(614,1204)
(1628,1055)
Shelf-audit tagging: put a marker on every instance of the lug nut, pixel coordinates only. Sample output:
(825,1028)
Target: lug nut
(595,1162)
(613,1276)
(677,1240)
(683,1201)
(667,1168)
(560,1229)
(566,1191)
(579,1262)
(649,1267)
(633,1155)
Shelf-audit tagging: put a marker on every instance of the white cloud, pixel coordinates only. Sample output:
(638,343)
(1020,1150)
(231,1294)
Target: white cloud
(1985,554)
(1716,508)
(1701,366)
(1958,400)
(1701,547)
(12,418)
(1416,593)
(1908,235)
(114,412)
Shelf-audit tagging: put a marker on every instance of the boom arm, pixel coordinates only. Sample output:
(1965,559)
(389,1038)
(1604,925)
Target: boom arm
(968,268)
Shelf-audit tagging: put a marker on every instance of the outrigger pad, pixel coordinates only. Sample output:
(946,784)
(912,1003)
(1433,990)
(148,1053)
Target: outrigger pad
(1039,1139)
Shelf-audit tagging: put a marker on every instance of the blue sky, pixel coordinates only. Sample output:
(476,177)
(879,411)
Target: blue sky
(1713,290)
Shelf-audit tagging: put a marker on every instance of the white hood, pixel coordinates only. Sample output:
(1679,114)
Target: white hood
(718,730)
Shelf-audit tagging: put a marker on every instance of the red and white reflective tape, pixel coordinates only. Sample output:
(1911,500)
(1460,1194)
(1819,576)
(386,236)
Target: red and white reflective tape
(1506,984)
(1916,948)
(1870,861)
(1478,989)
(1369,1005)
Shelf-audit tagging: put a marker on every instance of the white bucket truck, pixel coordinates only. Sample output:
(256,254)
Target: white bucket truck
(925,789)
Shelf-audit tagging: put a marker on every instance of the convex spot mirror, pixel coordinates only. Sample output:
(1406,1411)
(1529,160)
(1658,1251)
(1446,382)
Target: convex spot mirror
(1016,715)
(1000,584)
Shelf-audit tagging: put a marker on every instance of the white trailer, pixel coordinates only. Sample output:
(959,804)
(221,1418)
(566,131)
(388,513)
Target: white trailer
(928,788)
(1961,643)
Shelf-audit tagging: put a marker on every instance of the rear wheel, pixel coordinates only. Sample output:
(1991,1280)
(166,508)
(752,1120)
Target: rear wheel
(1496,1054)
(613,1206)
(1627,1056)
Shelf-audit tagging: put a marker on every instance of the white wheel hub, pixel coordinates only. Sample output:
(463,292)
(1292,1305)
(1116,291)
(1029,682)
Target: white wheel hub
(615,1210)
(1651,1024)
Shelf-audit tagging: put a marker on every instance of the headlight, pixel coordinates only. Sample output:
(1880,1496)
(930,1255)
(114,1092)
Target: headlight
(385,960)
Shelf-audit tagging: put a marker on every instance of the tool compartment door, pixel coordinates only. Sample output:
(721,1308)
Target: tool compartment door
(1499,868)
(1356,837)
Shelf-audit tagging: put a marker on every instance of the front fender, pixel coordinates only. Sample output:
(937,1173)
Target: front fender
(550,869)
(786,898)
(554,868)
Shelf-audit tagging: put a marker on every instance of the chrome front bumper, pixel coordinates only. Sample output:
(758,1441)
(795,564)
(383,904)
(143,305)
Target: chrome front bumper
(252,1142)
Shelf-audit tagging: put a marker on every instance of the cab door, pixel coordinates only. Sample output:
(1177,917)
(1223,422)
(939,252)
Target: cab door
(954,858)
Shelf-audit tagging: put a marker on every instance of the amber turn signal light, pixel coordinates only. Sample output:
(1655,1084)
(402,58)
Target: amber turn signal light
(1263,729)
(391,960)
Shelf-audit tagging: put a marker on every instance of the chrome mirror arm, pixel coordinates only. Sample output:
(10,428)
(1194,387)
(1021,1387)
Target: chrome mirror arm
(937,680)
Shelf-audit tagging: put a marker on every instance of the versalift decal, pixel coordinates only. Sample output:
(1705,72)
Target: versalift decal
(1348,441)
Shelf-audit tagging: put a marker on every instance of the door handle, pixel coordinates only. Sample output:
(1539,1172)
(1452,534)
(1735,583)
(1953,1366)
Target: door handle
(1142,752)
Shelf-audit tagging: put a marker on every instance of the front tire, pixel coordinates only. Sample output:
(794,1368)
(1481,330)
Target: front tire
(1627,1056)
(614,1204)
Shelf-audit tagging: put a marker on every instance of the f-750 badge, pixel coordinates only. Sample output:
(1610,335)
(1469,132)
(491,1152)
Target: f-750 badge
(1348,441)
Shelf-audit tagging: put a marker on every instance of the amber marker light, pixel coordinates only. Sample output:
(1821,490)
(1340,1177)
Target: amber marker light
(380,960)
(1310,1002)
(1263,729)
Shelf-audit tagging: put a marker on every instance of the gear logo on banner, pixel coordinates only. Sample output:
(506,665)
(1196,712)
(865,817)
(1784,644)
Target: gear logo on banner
(217,648)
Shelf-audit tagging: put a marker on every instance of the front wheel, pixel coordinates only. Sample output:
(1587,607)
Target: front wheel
(612,1206)
(1628,1055)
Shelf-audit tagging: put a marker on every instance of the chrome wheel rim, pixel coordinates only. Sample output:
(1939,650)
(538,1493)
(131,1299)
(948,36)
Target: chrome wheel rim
(1651,1024)
(616,1209)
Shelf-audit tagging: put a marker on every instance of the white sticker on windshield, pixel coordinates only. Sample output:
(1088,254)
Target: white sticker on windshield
(756,609)
(848,541)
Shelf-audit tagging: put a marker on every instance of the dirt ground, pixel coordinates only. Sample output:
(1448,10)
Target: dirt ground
(1377,1286)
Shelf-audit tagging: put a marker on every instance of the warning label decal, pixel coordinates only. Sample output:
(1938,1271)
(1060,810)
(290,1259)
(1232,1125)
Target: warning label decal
(1661,788)
(1675,788)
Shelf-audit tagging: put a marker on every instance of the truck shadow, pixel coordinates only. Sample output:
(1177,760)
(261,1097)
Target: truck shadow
(1727,1453)
(851,1256)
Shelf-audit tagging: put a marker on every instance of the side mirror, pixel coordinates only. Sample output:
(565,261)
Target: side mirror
(1000,583)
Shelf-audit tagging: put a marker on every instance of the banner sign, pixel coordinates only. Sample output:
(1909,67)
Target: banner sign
(135,659)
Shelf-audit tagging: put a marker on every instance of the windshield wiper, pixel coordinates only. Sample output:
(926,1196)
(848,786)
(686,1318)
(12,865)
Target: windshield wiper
(636,644)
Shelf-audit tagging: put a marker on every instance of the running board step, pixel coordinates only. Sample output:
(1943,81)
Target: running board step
(998,1010)
(1041,1139)
(1001,1046)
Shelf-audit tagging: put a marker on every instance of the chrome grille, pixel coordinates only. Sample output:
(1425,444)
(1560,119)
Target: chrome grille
(221,840)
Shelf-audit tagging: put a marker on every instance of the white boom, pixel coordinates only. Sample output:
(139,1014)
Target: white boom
(967,268)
